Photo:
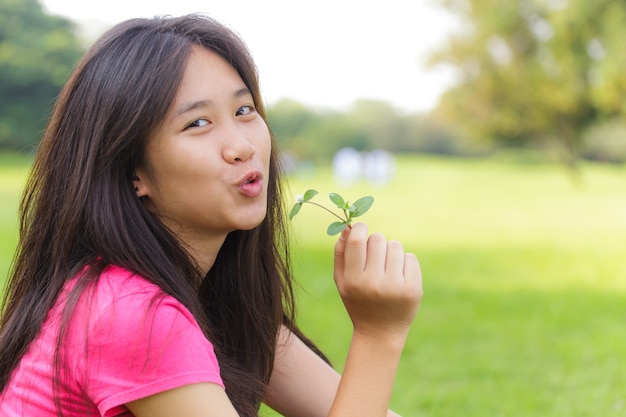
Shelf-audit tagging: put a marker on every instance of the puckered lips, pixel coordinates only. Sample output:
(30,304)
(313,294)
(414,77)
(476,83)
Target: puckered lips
(251,184)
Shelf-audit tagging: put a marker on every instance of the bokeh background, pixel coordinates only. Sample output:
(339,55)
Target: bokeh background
(492,135)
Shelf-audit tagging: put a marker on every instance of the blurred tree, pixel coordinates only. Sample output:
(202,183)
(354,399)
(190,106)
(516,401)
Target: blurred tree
(289,118)
(380,125)
(314,134)
(37,53)
(535,70)
(290,121)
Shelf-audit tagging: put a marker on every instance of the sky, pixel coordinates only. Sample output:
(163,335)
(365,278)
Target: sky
(323,53)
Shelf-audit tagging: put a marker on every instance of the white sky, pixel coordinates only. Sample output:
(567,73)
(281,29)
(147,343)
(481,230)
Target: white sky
(322,53)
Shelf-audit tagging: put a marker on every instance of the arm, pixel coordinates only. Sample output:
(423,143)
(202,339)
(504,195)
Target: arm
(381,289)
(194,400)
(302,384)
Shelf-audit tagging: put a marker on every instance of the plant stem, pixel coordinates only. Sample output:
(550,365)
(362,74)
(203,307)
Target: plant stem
(345,213)
(334,214)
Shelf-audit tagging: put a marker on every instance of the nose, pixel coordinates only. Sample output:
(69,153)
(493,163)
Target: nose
(237,146)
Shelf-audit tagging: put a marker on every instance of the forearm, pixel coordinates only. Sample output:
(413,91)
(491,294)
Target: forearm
(302,385)
(367,382)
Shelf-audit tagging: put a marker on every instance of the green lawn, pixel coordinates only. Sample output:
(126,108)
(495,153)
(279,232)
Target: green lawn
(524,277)
(13,170)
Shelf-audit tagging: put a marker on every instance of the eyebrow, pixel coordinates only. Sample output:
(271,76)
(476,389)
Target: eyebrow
(187,107)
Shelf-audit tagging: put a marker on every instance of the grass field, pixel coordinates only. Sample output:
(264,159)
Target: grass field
(524,273)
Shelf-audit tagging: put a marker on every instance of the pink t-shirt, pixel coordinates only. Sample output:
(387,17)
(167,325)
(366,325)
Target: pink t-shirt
(128,340)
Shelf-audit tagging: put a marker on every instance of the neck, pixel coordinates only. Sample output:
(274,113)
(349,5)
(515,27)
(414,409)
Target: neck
(204,252)
(203,248)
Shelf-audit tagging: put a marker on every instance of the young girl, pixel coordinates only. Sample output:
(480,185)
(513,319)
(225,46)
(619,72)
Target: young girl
(152,274)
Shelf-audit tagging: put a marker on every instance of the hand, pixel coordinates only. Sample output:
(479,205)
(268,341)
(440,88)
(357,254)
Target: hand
(380,284)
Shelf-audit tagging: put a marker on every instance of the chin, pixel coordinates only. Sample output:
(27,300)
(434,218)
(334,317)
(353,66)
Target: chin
(250,218)
(250,224)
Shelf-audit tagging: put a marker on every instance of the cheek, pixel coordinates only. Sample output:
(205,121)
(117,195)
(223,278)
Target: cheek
(183,158)
(175,171)
(268,151)
(265,145)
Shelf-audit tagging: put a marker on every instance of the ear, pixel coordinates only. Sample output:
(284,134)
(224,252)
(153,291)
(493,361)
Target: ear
(140,184)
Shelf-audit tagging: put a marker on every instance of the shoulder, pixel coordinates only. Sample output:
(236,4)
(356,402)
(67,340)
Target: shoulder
(139,341)
(115,284)
(134,328)
(123,300)
(122,309)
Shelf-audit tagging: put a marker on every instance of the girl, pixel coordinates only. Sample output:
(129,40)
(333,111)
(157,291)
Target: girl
(152,274)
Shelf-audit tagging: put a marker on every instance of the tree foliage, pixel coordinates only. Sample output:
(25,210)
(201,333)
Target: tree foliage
(37,53)
(535,70)
(317,134)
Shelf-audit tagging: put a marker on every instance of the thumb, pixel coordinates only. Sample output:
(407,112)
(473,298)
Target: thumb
(340,249)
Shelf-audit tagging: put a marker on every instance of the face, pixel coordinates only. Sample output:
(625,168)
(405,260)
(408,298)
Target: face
(206,168)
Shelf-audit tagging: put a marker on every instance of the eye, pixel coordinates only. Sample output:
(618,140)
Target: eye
(197,123)
(244,110)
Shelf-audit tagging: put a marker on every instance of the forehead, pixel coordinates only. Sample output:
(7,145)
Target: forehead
(206,74)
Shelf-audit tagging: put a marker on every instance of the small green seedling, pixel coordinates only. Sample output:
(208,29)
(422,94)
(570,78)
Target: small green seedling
(350,211)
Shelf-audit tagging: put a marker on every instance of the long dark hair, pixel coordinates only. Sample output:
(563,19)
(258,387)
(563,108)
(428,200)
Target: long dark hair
(79,207)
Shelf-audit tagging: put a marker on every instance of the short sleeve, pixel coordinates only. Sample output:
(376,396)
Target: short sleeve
(141,344)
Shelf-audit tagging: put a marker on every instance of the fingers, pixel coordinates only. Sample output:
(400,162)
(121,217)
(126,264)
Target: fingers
(361,257)
(340,248)
(372,254)
(376,255)
(356,249)
(355,252)
(395,262)
(351,251)
(412,267)
(380,284)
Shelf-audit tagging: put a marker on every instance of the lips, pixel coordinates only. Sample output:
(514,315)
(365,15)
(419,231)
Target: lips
(251,184)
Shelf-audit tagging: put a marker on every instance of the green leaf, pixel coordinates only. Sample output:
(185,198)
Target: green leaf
(337,199)
(336,227)
(309,194)
(294,210)
(361,206)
